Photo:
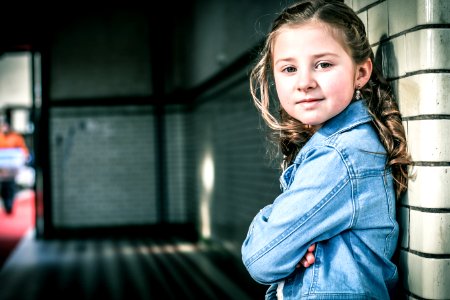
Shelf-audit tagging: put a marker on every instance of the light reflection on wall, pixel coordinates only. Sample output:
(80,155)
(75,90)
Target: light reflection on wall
(207,173)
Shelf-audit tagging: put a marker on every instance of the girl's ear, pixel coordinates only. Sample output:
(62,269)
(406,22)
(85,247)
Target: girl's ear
(363,72)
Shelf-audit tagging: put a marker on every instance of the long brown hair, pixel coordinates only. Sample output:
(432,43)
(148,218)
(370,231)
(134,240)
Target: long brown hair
(290,133)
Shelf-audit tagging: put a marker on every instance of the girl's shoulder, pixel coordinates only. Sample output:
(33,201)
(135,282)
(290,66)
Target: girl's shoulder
(351,128)
(363,136)
(363,133)
(358,148)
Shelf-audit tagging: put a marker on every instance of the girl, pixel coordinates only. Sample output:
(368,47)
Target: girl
(345,160)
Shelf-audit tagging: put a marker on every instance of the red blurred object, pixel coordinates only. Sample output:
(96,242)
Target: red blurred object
(14,226)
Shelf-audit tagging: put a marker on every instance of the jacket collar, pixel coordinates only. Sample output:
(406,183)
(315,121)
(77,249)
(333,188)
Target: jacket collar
(353,115)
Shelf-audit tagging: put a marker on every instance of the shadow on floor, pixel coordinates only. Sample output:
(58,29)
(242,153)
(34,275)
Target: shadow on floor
(124,268)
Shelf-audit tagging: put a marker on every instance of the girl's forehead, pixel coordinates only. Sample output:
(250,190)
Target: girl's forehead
(334,32)
(312,25)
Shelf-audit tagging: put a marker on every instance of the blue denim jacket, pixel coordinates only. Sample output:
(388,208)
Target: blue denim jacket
(338,194)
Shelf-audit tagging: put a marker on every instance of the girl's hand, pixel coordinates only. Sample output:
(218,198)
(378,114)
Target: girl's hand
(308,259)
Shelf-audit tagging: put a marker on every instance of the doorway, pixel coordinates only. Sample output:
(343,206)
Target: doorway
(19,98)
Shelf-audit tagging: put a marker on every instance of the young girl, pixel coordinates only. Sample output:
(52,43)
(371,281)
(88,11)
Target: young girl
(345,161)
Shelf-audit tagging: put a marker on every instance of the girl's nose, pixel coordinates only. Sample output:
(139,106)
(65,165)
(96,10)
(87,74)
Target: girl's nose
(306,80)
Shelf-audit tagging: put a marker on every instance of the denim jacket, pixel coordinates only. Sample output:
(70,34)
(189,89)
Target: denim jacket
(339,195)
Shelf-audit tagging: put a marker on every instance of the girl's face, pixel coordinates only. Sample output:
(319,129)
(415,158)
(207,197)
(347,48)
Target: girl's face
(314,75)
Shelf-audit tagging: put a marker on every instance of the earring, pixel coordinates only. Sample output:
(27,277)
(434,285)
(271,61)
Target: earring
(358,95)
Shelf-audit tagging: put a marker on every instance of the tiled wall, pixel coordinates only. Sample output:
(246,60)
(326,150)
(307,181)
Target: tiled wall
(103,166)
(235,177)
(412,38)
(180,200)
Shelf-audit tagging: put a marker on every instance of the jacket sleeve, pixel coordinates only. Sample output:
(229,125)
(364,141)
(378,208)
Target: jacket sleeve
(316,206)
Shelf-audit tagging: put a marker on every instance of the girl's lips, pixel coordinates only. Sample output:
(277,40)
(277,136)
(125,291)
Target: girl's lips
(309,100)
(310,103)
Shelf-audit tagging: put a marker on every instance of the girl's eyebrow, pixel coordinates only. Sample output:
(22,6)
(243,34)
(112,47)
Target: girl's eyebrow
(284,59)
(318,55)
(314,56)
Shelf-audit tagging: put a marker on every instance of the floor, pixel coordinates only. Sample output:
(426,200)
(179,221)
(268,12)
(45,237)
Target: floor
(124,268)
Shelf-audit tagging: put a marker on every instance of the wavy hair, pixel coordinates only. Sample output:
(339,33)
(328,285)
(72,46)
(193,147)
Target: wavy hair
(290,134)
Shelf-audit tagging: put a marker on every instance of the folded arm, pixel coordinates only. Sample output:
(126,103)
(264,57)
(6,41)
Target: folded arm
(316,206)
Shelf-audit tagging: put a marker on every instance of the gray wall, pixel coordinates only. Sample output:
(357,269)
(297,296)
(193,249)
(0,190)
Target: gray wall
(103,166)
(228,132)
(120,53)
(101,54)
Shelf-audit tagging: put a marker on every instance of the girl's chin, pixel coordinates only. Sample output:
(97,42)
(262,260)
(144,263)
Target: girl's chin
(311,122)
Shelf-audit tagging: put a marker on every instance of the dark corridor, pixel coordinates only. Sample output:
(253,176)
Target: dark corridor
(141,116)
(124,268)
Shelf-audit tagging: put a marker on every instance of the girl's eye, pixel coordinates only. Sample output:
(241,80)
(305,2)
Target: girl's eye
(289,69)
(323,65)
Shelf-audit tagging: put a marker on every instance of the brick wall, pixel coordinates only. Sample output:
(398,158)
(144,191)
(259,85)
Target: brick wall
(411,38)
